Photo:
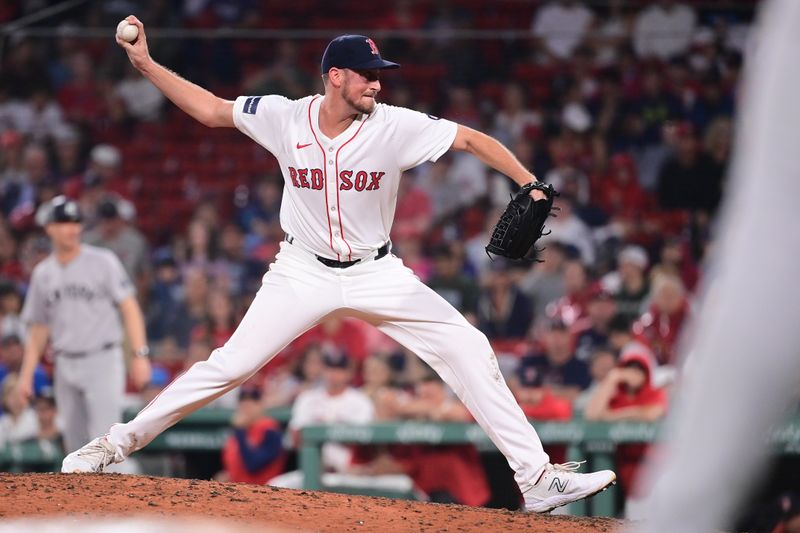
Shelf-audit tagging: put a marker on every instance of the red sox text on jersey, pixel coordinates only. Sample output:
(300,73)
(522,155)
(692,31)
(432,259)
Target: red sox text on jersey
(312,178)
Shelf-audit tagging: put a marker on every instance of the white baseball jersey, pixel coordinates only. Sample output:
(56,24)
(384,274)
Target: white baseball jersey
(339,202)
(340,194)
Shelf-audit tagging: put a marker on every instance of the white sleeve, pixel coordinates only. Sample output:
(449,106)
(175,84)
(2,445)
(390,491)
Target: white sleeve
(261,118)
(420,137)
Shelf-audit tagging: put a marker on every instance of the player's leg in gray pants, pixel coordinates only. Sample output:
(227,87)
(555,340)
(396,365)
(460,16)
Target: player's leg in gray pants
(390,296)
(296,294)
(70,404)
(89,394)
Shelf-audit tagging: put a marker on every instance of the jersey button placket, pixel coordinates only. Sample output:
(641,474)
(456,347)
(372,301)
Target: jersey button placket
(334,220)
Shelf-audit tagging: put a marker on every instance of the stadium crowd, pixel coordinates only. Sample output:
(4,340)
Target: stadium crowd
(625,107)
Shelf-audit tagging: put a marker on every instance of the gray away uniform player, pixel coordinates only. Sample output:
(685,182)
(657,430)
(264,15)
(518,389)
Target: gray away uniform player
(74,300)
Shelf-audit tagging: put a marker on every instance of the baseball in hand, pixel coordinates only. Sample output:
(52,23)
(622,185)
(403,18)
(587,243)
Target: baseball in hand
(127,31)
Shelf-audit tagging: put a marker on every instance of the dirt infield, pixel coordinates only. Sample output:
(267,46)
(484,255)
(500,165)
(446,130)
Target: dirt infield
(239,506)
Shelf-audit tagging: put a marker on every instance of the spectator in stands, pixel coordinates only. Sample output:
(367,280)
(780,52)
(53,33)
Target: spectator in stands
(202,247)
(572,306)
(689,179)
(570,230)
(263,206)
(11,352)
(336,332)
(601,362)
(593,330)
(23,68)
(378,381)
(447,474)
(661,325)
(335,403)
(163,296)
(712,102)
(233,270)
(613,30)
(504,312)
(664,30)
(450,282)
(404,15)
(103,178)
(619,333)
(717,143)
(282,76)
(411,250)
(10,308)
(561,26)
(220,321)
(629,283)
(535,398)
(281,384)
(570,181)
(33,249)
(655,107)
(39,116)
(414,213)
(12,169)
(49,437)
(18,421)
(254,452)
(515,120)
(560,370)
(80,96)
(544,283)
(10,267)
(311,368)
(676,260)
(141,98)
(192,309)
(621,196)
(69,162)
(627,393)
(121,237)
(35,172)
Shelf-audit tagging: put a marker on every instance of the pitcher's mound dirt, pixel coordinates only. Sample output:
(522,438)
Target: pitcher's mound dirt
(77,496)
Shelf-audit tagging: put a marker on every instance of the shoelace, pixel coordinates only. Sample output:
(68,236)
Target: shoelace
(97,451)
(570,466)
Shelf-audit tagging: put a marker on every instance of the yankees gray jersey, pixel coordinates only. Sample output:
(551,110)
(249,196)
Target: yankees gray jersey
(78,301)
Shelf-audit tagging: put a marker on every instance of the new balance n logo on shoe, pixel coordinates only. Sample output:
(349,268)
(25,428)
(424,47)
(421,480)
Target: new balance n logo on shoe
(558,484)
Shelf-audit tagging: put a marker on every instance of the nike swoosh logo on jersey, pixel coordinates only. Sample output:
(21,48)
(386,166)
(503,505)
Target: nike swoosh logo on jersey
(299,146)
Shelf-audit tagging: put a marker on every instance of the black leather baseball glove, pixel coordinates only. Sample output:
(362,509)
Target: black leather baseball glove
(522,223)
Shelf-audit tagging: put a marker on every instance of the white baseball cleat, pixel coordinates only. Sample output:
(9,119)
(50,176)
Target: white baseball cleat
(93,457)
(560,484)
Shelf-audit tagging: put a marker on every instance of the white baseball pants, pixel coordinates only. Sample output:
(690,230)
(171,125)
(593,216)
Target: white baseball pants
(297,293)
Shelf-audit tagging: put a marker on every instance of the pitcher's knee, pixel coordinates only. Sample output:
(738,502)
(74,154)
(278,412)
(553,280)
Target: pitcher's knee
(478,341)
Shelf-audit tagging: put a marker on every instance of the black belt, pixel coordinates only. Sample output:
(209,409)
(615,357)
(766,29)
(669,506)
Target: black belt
(382,251)
(103,348)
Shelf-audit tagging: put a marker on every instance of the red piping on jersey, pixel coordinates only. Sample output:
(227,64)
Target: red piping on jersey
(163,390)
(325,178)
(339,202)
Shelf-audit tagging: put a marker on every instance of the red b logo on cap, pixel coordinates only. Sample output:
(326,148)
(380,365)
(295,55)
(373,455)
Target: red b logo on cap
(374,48)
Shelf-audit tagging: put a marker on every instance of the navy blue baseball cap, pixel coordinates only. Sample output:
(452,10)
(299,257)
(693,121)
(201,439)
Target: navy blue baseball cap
(354,52)
(63,209)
